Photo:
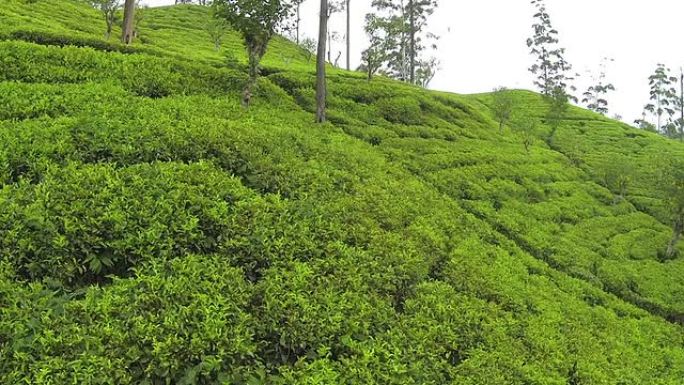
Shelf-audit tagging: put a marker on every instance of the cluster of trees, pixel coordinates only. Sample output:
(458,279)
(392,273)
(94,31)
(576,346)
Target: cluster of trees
(554,80)
(398,32)
(399,38)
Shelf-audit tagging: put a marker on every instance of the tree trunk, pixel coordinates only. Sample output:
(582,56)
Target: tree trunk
(299,19)
(412,42)
(681,105)
(320,63)
(349,37)
(129,16)
(256,50)
(676,235)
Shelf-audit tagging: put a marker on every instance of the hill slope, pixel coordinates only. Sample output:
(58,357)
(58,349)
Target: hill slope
(154,231)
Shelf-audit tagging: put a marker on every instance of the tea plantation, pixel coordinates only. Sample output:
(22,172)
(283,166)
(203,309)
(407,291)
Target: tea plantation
(154,231)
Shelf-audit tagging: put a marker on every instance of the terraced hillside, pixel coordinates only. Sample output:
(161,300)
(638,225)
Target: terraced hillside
(153,231)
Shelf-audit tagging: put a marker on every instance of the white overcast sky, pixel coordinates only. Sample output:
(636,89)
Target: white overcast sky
(482,43)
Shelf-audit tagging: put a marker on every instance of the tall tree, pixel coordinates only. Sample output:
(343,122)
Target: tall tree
(663,98)
(257,21)
(297,4)
(348,35)
(109,8)
(418,12)
(128,30)
(321,89)
(680,121)
(595,97)
(550,67)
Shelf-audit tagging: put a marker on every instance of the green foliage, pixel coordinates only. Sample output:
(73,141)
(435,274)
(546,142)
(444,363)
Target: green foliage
(257,21)
(550,67)
(153,231)
(502,106)
(109,9)
(400,110)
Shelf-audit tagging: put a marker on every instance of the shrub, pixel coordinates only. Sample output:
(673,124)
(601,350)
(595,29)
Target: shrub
(400,110)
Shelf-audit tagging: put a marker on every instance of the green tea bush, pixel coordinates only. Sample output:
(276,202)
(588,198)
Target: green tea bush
(186,319)
(140,74)
(400,110)
(83,223)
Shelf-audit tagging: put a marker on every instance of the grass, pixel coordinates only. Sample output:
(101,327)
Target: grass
(154,231)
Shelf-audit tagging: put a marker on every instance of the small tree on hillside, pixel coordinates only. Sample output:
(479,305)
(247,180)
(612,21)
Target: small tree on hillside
(502,105)
(109,9)
(373,57)
(526,129)
(595,96)
(426,71)
(644,124)
(672,185)
(257,21)
(616,173)
(308,45)
(558,107)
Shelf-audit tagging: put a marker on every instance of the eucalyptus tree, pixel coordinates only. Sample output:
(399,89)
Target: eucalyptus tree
(663,97)
(257,21)
(595,97)
(680,103)
(405,26)
(298,19)
(550,68)
(348,35)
